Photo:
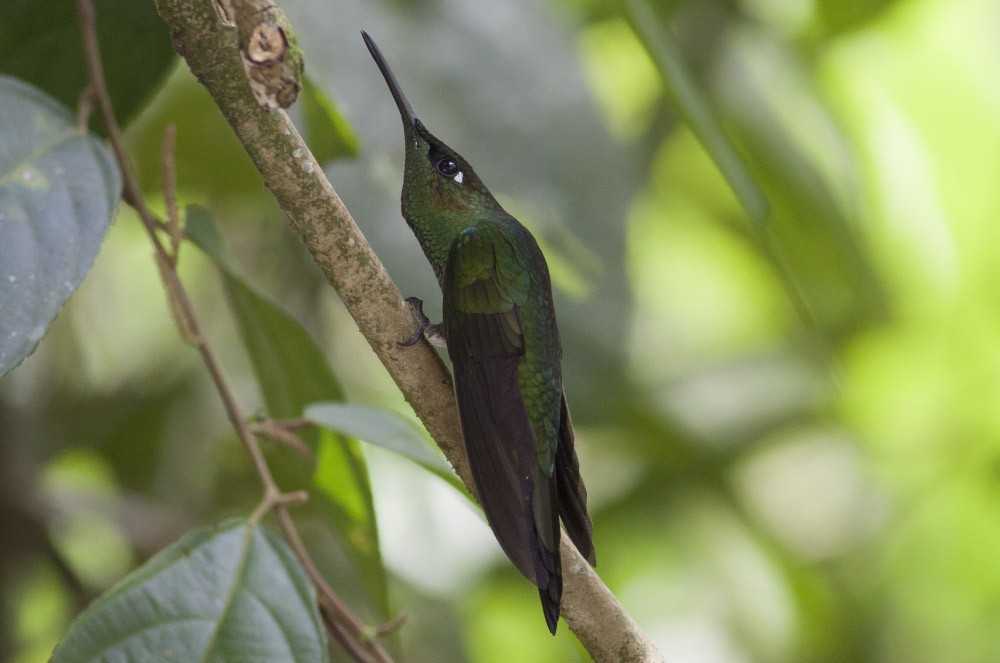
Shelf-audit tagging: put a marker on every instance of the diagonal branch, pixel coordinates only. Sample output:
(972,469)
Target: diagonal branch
(326,227)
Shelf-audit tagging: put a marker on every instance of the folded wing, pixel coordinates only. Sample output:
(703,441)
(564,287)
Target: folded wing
(486,343)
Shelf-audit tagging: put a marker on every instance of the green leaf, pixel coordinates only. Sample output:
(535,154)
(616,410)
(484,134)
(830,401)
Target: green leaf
(59,188)
(235,593)
(327,131)
(40,43)
(291,369)
(212,164)
(292,372)
(385,429)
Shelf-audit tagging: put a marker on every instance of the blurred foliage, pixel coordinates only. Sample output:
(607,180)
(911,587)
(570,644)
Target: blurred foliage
(40,43)
(788,428)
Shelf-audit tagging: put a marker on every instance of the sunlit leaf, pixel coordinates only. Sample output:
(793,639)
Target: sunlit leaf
(58,191)
(235,593)
(288,363)
(210,160)
(385,429)
(838,16)
(292,372)
(622,75)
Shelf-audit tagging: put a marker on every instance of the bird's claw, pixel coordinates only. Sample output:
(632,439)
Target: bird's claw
(425,328)
(417,307)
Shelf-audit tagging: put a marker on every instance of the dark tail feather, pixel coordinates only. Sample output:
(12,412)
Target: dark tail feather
(551,597)
(548,569)
(571,502)
(572,493)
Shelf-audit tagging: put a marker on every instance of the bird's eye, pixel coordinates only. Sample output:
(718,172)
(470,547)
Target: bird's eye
(447,167)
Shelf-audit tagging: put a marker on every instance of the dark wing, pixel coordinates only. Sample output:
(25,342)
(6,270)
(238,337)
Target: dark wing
(482,326)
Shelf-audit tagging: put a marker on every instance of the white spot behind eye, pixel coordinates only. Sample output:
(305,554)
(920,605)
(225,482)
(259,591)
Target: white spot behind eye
(458,177)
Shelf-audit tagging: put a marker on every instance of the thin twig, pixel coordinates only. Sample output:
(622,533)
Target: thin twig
(343,620)
(84,106)
(132,193)
(170,193)
(297,423)
(342,638)
(392,625)
(274,499)
(273,430)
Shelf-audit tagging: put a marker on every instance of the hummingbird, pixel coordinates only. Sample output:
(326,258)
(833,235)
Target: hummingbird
(499,328)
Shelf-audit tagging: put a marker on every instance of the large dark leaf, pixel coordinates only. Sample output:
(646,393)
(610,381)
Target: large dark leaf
(235,593)
(58,191)
(40,43)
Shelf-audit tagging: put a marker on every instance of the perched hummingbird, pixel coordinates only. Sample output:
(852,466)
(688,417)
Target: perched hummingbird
(500,330)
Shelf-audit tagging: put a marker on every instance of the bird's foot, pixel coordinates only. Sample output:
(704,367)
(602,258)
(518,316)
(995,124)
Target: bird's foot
(433,333)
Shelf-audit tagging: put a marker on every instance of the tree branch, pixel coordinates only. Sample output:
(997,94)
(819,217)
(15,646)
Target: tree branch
(329,232)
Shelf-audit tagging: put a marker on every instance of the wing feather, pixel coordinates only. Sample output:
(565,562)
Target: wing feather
(486,346)
(522,489)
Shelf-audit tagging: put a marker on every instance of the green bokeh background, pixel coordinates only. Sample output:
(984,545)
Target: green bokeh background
(789,429)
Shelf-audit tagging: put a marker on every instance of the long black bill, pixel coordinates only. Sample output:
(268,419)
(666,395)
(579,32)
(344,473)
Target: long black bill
(397,93)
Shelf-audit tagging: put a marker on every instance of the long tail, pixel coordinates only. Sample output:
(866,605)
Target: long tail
(545,505)
(571,505)
(551,598)
(572,494)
